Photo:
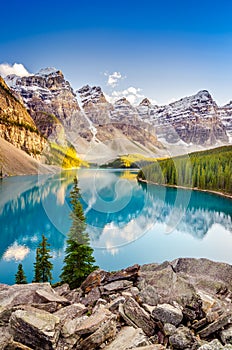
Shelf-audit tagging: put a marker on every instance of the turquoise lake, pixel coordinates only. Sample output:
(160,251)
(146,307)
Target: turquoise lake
(127,222)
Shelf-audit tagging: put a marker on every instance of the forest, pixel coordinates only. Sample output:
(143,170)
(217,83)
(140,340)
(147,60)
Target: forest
(208,170)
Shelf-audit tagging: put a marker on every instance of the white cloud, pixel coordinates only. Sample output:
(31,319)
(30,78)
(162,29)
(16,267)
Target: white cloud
(16,68)
(132,94)
(16,252)
(114,78)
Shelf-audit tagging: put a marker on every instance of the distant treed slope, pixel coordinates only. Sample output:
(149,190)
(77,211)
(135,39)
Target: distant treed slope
(210,170)
(17,126)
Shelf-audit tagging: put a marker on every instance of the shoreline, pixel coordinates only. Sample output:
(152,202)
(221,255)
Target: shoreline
(217,193)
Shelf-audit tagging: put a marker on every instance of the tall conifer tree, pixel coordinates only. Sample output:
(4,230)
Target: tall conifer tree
(78,261)
(42,265)
(20,277)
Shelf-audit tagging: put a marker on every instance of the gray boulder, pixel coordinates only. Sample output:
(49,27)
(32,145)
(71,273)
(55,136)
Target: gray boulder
(167,313)
(128,338)
(139,316)
(35,328)
(183,339)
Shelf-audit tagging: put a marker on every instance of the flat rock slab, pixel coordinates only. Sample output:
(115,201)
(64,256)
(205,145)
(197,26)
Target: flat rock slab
(35,328)
(20,294)
(139,316)
(48,297)
(93,322)
(105,332)
(128,338)
(116,286)
(221,322)
(71,311)
(167,313)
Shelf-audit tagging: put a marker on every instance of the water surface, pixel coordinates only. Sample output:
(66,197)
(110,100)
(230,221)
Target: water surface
(127,222)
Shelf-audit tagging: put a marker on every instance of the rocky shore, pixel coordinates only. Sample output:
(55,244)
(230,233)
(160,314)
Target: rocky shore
(183,304)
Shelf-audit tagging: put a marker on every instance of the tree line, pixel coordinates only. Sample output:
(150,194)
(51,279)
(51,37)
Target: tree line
(78,262)
(209,170)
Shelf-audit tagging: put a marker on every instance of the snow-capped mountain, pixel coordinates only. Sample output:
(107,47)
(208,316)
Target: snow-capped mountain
(193,122)
(50,100)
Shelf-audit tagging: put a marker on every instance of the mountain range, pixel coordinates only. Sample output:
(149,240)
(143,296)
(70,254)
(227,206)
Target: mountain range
(42,108)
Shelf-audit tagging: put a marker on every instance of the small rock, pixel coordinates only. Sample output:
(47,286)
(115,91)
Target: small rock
(95,279)
(213,345)
(131,273)
(116,286)
(169,329)
(128,338)
(167,313)
(62,290)
(134,291)
(226,335)
(182,339)
(91,297)
(148,308)
(113,305)
(127,294)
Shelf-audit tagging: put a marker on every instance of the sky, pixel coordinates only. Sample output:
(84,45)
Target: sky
(163,50)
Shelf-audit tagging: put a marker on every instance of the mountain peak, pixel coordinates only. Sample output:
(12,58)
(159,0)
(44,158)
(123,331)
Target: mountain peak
(92,94)
(122,101)
(204,94)
(48,71)
(145,102)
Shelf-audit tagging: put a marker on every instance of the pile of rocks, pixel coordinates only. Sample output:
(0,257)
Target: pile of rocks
(185,304)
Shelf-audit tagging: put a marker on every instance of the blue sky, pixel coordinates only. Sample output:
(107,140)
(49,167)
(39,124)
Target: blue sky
(163,50)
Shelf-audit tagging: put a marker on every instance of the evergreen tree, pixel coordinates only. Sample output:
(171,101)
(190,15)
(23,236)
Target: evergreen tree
(42,265)
(78,261)
(20,277)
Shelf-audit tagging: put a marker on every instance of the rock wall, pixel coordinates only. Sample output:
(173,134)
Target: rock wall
(17,126)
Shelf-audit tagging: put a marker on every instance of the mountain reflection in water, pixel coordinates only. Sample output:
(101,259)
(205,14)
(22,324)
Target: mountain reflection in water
(127,222)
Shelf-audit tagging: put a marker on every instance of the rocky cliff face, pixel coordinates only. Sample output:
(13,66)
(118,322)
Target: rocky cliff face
(225,113)
(193,120)
(50,101)
(17,126)
(117,122)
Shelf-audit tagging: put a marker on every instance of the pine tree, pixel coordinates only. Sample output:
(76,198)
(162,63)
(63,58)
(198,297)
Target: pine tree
(20,277)
(42,265)
(78,261)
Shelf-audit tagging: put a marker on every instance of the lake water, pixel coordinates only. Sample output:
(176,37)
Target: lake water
(127,222)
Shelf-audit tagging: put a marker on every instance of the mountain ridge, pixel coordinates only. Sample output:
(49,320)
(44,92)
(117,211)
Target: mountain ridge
(97,126)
